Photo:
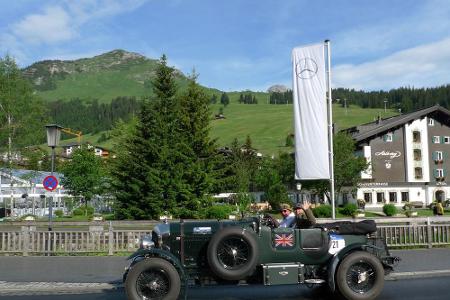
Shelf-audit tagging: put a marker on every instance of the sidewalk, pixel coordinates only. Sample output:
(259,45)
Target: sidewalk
(103,273)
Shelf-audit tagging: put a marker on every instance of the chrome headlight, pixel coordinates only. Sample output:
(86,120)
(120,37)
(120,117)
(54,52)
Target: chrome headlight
(146,242)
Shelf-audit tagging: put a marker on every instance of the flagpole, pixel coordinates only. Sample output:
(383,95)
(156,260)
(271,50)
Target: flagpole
(330,129)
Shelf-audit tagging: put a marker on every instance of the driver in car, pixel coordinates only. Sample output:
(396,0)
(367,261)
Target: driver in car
(304,217)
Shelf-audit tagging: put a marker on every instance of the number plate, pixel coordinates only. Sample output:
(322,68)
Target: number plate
(337,243)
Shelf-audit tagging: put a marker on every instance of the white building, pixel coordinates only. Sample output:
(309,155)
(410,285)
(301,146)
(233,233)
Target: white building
(409,158)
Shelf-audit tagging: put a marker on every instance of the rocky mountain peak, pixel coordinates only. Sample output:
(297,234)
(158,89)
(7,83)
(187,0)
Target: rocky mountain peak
(277,88)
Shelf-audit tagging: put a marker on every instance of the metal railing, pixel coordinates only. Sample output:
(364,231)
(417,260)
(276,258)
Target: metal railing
(104,238)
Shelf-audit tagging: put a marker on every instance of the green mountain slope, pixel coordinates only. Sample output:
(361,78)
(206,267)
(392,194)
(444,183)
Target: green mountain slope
(120,73)
(106,76)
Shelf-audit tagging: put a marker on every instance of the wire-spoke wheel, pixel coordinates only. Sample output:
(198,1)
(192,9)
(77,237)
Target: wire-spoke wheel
(233,253)
(153,279)
(152,284)
(360,276)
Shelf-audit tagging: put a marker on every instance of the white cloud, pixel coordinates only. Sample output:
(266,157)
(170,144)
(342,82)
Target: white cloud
(425,65)
(52,26)
(85,10)
(428,22)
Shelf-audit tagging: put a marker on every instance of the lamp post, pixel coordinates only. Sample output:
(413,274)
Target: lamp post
(385,102)
(53,137)
(299,187)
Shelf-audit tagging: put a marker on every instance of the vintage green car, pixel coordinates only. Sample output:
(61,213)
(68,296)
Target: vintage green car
(346,256)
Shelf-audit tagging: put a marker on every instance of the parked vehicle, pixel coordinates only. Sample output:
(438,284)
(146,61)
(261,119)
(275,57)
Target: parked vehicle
(347,257)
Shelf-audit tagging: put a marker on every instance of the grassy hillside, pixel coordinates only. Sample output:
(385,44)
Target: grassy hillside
(103,77)
(268,125)
(122,73)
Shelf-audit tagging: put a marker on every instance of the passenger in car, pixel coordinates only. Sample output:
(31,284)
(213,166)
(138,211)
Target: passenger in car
(288,216)
(304,217)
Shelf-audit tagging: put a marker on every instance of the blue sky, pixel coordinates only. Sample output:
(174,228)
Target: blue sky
(243,44)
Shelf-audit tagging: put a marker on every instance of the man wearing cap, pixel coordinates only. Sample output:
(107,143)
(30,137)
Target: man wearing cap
(288,216)
(304,217)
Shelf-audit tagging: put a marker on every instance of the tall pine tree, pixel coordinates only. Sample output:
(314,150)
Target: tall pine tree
(166,163)
(141,171)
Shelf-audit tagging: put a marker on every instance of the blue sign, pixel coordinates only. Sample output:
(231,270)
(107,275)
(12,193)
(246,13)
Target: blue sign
(50,183)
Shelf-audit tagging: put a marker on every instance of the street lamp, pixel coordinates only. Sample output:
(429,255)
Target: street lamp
(385,102)
(53,137)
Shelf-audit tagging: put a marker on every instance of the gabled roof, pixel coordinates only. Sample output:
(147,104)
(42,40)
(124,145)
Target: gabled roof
(369,130)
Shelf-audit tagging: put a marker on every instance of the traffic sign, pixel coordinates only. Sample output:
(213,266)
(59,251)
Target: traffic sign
(50,183)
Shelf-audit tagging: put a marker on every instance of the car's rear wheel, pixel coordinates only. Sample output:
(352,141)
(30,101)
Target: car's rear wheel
(360,276)
(233,253)
(153,279)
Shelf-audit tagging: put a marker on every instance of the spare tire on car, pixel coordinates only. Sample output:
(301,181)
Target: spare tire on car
(233,253)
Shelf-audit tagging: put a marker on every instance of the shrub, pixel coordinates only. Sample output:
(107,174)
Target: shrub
(322,211)
(81,211)
(349,209)
(389,209)
(59,213)
(78,212)
(219,211)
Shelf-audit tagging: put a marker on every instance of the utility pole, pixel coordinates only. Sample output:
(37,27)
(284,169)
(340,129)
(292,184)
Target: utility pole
(385,102)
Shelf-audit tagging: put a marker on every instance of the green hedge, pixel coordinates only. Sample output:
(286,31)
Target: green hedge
(81,211)
(322,211)
(219,211)
(349,209)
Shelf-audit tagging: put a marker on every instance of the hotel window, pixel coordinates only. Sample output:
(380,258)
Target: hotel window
(439,173)
(405,196)
(416,136)
(437,156)
(368,197)
(388,137)
(436,139)
(446,139)
(417,154)
(430,122)
(418,173)
(393,197)
(380,197)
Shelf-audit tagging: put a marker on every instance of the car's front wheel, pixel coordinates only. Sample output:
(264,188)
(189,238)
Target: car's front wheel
(152,279)
(360,276)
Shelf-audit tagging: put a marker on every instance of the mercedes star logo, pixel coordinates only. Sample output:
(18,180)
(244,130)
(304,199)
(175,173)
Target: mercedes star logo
(306,68)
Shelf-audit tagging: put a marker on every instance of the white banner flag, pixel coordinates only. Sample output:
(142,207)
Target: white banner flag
(310,113)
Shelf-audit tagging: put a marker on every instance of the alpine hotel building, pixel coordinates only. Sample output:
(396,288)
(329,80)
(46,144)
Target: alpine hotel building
(409,158)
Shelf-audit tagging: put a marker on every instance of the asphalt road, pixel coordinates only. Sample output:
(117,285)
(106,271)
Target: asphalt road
(415,289)
(97,272)
(110,269)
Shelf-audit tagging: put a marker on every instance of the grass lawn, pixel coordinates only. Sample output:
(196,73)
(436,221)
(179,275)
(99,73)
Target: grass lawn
(429,212)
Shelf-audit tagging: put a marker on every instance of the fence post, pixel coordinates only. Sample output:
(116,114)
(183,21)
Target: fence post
(429,233)
(25,240)
(110,240)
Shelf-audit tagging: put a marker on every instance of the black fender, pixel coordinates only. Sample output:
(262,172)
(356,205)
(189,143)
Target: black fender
(337,258)
(153,252)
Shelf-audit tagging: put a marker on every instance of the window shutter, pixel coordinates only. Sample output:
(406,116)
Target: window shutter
(441,139)
(445,172)
(385,138)
(434,155)
(435,173)
(432,140)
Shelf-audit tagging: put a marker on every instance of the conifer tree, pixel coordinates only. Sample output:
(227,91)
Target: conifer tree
(142,172)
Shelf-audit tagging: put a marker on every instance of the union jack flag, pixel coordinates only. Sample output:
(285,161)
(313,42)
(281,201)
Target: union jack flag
(284,240)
